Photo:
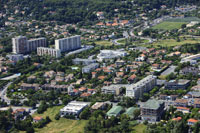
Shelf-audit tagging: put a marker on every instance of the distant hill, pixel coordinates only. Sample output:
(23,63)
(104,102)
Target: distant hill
(73,11)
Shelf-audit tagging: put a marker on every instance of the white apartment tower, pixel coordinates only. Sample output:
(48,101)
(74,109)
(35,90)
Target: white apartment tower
(68,44)
(19,45)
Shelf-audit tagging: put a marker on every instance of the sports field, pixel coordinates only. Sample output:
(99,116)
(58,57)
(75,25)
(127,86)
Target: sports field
(169,25)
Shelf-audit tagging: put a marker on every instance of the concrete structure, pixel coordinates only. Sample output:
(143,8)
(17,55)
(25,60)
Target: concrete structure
(73,108)
(79,61)
(19,45)
(113,89)
(48,51)
(177,84)
(192,59)
(190,70)
(89,68)
(15,57)
(34,43)
(152,110)
(145,85)
(68,44)
(111,54)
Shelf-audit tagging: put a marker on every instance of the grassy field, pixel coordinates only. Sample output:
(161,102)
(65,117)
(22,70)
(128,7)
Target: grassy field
(123,41)
(105,43)
(172,42)
(187,19)
(169,25)
(60,126)
(139,128)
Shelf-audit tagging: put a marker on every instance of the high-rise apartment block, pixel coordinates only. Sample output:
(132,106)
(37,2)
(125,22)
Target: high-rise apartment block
(19,45)
(48,51)
(22,46)
(68,44)
(34,43)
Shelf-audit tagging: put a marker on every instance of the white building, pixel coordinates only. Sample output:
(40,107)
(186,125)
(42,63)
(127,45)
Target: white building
(113,89)
(68,44)
(73,108)
(111,54)
(34,43)
(192,59)
(48,51)
(79,61)
(145,85)
(19,45)
(89,68)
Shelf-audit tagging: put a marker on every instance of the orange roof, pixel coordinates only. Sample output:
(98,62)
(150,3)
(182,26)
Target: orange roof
(193,120)
(101,77)
(85,94)
(100,24)
(91,90)
(94,73)
(124,21)
(115,24)
(98,69)
(37,118)
(185,108)
(75,90)
(132,77)
(82,89)
(177,119)
(107,24)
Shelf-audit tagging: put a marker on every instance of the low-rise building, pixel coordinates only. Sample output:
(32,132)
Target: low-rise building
(181,102)
(79,61)
(152,110)
(183,109)
(73,108)
(25,86)
(98,105)
(114,111)
(177,84)
(113,89)
(89,68)
(15,57)
(192,122)
(190,70)
(37,119)
(41,51)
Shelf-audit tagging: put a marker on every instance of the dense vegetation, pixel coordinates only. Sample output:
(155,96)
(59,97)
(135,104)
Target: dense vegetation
(82,11)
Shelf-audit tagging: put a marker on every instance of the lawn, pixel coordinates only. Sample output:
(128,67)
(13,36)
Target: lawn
(105,43)
(169,25)
(139,128)
(123,41)
(172,42)
(60,126)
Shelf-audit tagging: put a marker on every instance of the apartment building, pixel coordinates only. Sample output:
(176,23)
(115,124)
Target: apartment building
(41,51)
(145,85)
(19,45)
(34,43)
(68,44)
(115,89)
(177,84)
(152,110)
(79,61)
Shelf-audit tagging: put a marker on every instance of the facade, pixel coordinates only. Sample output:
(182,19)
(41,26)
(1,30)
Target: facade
(112,89)
(192,59)
(89,68)
(34,43)
(152,110)
(145,85)
(177,84)
(15,57)
(79,61)
(190,70)
(68,44)
(73,108)
(41,51)
(19,45)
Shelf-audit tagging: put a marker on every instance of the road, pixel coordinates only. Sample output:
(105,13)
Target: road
(3,93)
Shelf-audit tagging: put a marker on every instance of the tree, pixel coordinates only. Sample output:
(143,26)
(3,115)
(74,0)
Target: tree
(85,114)
(136,113)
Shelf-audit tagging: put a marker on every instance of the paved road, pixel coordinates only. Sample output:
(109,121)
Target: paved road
(3,93)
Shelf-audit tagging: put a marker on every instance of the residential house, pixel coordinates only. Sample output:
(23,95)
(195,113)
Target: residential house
(37,119)
(192,122)
(98,105)
(183,109)
(181,102)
